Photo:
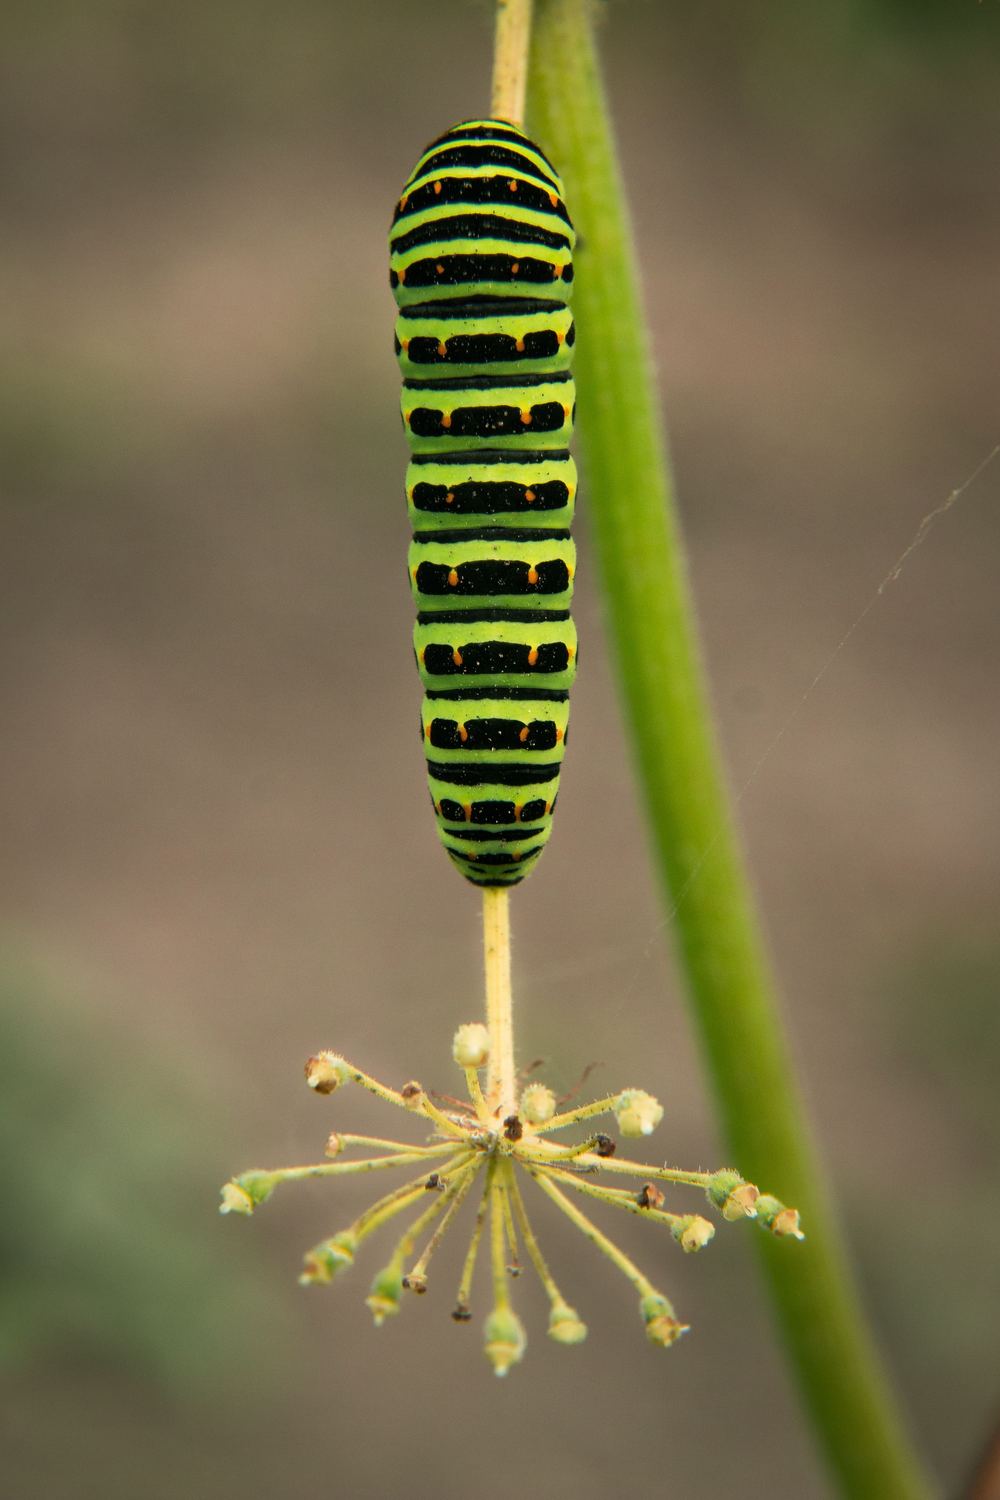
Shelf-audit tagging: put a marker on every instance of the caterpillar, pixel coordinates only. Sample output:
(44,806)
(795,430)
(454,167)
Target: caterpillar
(481,268)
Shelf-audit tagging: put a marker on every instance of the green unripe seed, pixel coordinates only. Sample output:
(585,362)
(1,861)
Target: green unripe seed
(505,1339)
(565,1325)
(386,1293)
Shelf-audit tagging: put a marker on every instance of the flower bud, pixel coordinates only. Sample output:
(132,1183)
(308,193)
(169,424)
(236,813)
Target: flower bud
(741,1203)
(538,1104)
(662,1326)
(505,1339)
(334,1145)
(328,1257)
(693,1232)
(565,1325)
(637,1112)
(412,1095)
(735,1197)
(326,1072)
(385,1295)
(235,1199)
(242,1194)
(470,1046)
(781,1221)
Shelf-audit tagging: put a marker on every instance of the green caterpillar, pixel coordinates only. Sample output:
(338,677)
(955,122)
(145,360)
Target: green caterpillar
(481,267)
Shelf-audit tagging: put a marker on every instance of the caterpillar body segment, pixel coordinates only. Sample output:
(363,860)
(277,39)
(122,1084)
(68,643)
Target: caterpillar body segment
(483,337)
(456,413)
(481,267)
(526,489)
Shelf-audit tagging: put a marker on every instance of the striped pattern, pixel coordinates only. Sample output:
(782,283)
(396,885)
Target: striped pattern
(481,268)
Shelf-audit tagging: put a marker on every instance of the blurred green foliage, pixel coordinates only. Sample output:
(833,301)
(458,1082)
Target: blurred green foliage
(945,1024)
(106,1253)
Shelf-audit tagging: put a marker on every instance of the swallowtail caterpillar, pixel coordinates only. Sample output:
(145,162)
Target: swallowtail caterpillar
(481,267)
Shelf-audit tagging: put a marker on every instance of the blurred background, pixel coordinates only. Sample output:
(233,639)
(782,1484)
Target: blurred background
(217,851)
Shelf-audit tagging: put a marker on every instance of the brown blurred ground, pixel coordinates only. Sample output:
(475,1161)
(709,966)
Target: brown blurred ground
(218,851)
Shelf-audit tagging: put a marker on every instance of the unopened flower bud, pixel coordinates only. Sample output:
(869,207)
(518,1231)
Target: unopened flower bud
(735,1197)
(470,1045)
(693,1232)
(412,1095)
(385,1295)
(235,1199)
(565,1325)
(781,1221)
(505,1339)
(324,1260)
(326,1072)
(662,1326)
(637,1112)
(242,1194)
(538,1104)
(741,1203)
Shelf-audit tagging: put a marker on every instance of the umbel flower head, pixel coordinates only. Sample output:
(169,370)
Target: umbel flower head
(483,1144)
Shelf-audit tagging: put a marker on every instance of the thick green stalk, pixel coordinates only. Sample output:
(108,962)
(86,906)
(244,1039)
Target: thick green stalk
(696,848)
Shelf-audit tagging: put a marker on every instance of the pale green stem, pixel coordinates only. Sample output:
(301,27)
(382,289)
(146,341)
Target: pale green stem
(617,1198)
(501,1083)
(587,1227)
(476,1094)
(424,1106)
(386,1208)
(465,1285)
(547,1153)
(445,1125)
(627,1168)
(510,60)
(584,1112)
(571,1153)
(404,1246)
(366,1164)
(697,851)
(393,1203)
(498,1240)
(453,1197)
(507,1178)
(366,1081)
(538,1260)
(342,1141)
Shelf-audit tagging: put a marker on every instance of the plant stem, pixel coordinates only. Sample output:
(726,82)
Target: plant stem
(500,1081)
(498,1243)
(587,1227)
(696,848)
(454,1197)
(510,60)
(617,1198)
(465,1286)
(556,1298)
(365,1164)
(511,50)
